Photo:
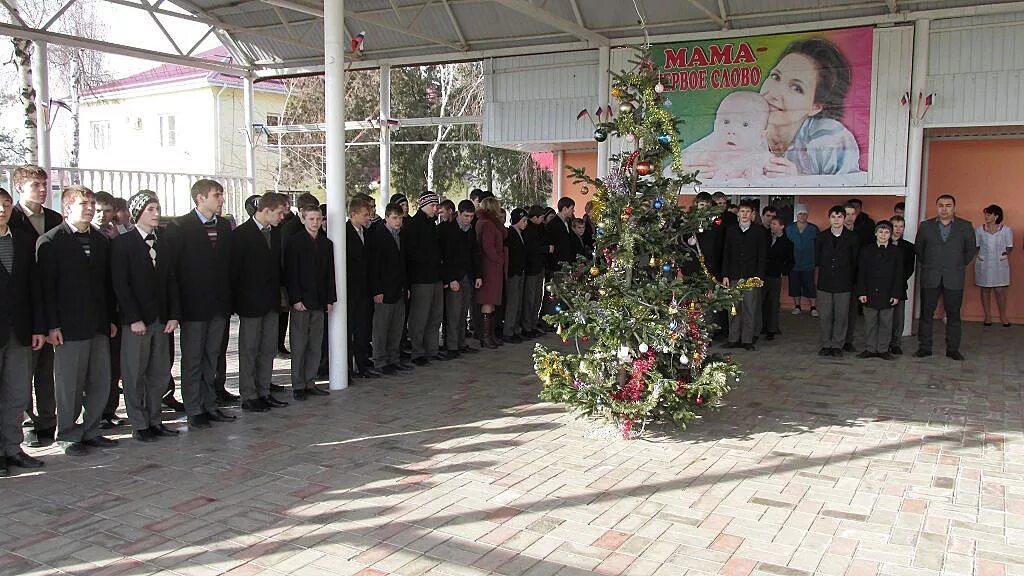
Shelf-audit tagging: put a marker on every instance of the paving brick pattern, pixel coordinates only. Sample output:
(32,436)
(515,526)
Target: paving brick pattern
(813,466)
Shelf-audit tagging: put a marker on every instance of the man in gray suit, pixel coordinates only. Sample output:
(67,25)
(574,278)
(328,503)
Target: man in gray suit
(945,245)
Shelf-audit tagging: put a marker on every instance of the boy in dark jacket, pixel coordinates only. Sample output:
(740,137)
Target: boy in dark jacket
(780,262)
(309,277)
(256,290)
(879,287)
(147,298)
(515,247)
(422,253)
(387,285)
(835,254)
(78,305)
(459,274)
(745,256)
(537,251)
(358,309)
(907,250)
(21,332)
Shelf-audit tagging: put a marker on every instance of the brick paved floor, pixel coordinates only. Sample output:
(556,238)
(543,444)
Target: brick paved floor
(813,466)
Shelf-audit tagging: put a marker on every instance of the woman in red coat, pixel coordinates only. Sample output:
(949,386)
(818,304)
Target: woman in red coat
(490,236)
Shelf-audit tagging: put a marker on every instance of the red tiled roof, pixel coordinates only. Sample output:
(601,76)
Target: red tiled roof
(174,73)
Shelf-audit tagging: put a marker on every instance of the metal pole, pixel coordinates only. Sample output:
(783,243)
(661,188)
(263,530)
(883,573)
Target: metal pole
(249,108)
(334,109)
(915,157)
(385,137)
(556,174)
(603,94)
(41,83)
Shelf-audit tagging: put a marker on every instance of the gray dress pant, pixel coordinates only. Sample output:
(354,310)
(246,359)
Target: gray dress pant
(833,315)
(533,290)
(257,346)
(426,307)
(81,375)
(877,329)
(513,305)
(15,393)
(200,346)
(898,323)
(145,369)
(851,316)
(951,302)
(44,415)
(456,306)
(742,325)
(305,335)
(387,333)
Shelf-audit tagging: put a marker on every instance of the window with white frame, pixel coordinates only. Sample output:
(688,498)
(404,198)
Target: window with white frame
(168,131)
(100,134)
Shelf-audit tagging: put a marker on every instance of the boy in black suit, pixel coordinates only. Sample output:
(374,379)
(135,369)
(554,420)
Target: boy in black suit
(460,275)
(907,250)
(745,256)
(780,262)
(515,273)
(147,298)
(309,274)
(560,234)
(359,303)
(256,293)
(879,287)
(21,332)
(387,285)
(31,216)
(199,250)
(835,252)
(537,251)
(423,268)
(78,305)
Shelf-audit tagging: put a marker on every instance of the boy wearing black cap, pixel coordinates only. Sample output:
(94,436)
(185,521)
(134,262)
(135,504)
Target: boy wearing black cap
(400,200)
(459,274)
(879,287)
(78,304)
(147,298)
(386,284)
(515,244)
(423,266)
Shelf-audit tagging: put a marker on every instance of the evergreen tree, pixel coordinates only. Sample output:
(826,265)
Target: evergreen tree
(638,317)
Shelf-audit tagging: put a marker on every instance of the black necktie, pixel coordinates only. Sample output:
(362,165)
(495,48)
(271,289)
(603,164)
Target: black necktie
(151,242)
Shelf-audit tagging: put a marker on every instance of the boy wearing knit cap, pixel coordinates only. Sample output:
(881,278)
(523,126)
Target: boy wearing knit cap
(149,310)
(879,287)
(402,201)
(515,276)
(423,267)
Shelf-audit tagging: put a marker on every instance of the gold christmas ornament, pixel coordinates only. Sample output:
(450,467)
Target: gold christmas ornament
(617,92)
(653,262)
(594,270)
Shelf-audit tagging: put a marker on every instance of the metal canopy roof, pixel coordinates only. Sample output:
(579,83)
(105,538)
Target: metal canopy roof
(285,37)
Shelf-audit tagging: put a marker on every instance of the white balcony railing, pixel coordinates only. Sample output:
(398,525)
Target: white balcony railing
(173,188)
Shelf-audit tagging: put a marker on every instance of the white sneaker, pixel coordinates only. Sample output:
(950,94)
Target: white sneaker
(796,311)
(814,312)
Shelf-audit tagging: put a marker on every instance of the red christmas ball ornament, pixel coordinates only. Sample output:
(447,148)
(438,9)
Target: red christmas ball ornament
(628,211)
(699,400)
(564,341)
(718,221)
(644,168)
(585,339)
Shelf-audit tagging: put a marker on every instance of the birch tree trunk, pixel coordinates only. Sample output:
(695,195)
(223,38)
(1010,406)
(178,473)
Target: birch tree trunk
(27,96)
(76,126)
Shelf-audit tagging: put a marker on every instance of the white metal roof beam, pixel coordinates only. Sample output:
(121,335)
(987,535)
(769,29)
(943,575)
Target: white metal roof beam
(112,48)
(723,13)
(148,8)
(15,15)
(455,23)
(576,12)
(545,17)
(893,6)
(192,50)
(57,14)
(707,12)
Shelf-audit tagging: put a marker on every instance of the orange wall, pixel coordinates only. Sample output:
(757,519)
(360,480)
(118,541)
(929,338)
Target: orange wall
(978,173)
(877,207)
(586,160)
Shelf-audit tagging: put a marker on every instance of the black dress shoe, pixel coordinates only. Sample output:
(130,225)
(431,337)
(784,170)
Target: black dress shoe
(164,431)
(513,339)
(109,422)
(770,336)
(955,356)
(837,352)
(4,472)
(199,422)
(100,442)
(749,347)
(144,435)
(733,345)
(825,352)
(453,354)
(76,449)
(848,347)
(897,350)
(443,358)
(22,460)
(317,391)
(257,405)
(865,354)
(390,370)
(885,356)
(225,398)
(34,439)
(276,388)
(421,361)
(274,402)
(218,415)
(368,373)
(405,366)
(299,394)
(467,349)
(922,353)
(174,404)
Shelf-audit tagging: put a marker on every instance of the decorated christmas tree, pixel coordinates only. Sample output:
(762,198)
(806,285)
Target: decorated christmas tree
(636,321)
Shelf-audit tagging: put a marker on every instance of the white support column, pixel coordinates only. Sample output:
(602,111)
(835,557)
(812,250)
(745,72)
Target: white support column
(334,111)
(385,137)
(41,82)
(557,174)
(249,109)
(915,157)
(603,94)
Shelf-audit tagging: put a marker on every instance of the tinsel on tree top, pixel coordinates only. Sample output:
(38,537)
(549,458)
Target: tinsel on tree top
(636,321)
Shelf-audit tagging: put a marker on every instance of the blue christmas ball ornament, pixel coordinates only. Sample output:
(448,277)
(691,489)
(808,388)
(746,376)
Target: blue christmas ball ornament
(666,268)
(658,204)
(558,308)
(600,231)
(664,139)
(673,326)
